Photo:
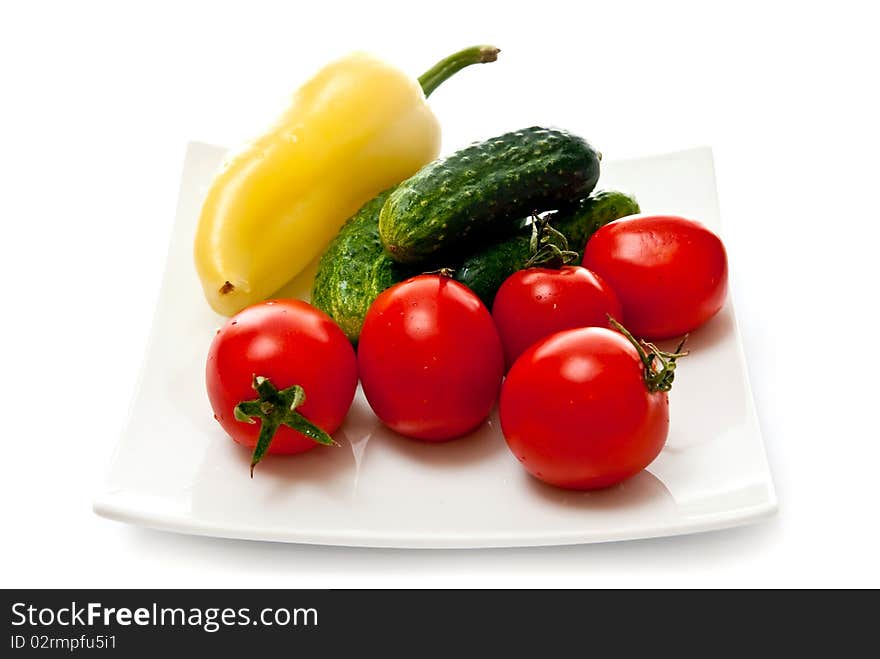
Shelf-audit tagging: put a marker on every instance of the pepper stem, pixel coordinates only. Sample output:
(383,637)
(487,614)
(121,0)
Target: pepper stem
(657,377)
(548,246)
(277,408)
(446,68)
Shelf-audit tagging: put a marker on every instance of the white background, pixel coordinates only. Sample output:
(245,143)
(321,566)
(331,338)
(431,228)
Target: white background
(99,100)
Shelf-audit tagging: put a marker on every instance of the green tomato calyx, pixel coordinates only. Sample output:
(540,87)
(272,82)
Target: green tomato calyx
(659,365)
(277,408)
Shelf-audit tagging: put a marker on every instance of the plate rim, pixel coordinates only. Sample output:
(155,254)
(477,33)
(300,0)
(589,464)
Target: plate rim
(109,506)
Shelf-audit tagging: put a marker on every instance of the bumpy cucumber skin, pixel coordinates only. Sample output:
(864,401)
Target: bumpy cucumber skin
(486,270)
(354,269)
(477,192)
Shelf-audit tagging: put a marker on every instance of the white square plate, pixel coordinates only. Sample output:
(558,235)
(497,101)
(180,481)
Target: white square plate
(175,469)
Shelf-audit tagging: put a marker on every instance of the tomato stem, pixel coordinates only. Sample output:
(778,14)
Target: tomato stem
(659,365)
(548,246)
(277,408)
(443,272)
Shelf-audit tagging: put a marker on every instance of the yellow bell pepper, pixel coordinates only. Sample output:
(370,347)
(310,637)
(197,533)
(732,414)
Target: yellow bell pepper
(356,128)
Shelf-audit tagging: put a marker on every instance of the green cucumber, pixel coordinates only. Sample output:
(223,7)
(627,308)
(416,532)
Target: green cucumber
(475,195)
(486,270)
(354,269)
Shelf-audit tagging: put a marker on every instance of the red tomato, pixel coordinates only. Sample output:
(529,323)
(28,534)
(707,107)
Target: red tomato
(538,302)
(290,343)
(577,411)
(669,273)
(430,358)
